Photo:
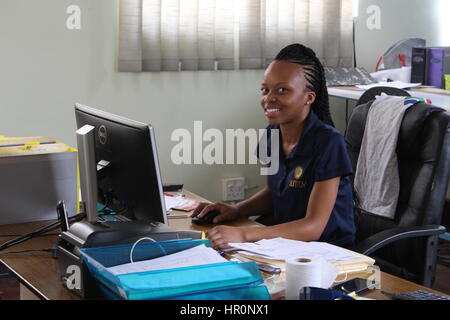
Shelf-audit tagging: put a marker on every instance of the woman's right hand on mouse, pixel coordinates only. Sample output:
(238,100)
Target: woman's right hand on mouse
(227,212)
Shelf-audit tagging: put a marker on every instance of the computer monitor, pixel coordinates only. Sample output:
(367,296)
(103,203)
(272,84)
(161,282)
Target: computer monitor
(128,173)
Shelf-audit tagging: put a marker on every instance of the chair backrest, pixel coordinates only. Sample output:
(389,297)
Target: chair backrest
(423,152)
(370,94)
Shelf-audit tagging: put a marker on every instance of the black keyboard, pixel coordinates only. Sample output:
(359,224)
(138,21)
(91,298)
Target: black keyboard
(416,295)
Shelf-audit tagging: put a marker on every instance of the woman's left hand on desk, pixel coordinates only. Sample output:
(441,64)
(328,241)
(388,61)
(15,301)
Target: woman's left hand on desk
(221,236)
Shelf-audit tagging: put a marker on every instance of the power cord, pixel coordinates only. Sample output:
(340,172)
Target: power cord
(39,232)
(18,235)
(52,250)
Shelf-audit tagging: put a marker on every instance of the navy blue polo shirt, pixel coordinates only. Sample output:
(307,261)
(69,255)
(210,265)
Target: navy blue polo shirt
(320,155)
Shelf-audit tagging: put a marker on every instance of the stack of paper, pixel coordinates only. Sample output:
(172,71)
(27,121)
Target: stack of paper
(196,256)
(179,203)
(281,249)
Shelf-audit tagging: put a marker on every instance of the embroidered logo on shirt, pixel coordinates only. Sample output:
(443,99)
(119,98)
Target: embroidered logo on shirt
(297,184)
(298,173)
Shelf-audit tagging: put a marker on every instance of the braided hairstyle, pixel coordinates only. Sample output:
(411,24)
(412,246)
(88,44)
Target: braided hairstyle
(314,74)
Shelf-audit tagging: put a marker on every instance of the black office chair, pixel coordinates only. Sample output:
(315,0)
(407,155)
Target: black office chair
(407,245)
(370,94)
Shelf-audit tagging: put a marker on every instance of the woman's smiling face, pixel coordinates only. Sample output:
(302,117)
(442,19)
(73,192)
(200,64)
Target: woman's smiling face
(285,96)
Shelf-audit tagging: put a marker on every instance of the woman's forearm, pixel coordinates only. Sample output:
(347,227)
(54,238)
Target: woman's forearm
(258,204)
(309,228)
(302,230)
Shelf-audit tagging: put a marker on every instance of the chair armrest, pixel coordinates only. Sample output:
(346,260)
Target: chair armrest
(385,237)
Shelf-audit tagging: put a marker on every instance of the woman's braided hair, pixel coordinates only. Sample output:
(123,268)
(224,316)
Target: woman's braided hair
(314,74)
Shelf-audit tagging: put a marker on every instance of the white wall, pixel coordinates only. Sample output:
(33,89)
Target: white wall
(45,69)
(427,19)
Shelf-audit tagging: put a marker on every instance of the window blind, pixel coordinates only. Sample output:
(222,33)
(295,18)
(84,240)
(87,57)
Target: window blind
(176,35)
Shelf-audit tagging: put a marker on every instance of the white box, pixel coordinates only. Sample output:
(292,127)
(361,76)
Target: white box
(33,181)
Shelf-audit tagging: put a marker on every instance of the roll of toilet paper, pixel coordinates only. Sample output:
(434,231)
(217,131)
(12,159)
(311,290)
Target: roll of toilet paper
(312,271)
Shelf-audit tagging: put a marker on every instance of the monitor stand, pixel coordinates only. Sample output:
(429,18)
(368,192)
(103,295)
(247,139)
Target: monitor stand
(85,234)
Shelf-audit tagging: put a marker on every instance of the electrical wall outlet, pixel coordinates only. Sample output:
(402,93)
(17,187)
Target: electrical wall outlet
(233,189)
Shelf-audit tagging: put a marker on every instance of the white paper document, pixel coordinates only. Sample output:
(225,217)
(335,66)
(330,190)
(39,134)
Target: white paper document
(179,203)
(196,256)
(172,202)
(391,84)
(282,249)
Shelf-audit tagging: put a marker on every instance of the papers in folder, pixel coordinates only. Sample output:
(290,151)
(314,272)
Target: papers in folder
(282,249)
(195,256)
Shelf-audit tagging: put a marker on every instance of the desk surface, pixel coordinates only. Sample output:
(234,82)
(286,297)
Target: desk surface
(354,94)
(38,271)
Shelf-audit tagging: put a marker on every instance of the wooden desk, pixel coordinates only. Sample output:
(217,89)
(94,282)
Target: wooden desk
(38,271)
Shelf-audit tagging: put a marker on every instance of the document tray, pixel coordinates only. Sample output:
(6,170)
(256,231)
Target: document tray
(228,280)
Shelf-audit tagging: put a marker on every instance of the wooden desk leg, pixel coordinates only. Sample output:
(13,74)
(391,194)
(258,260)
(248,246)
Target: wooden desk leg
(26,294)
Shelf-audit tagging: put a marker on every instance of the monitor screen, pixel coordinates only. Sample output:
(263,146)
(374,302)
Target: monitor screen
(128,174)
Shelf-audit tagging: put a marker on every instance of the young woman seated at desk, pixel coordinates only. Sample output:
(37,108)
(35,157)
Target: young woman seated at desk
(310,197)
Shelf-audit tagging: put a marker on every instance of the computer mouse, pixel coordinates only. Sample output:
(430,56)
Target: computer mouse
(207,218)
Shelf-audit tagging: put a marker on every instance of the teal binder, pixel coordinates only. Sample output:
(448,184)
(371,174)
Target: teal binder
(220,281)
